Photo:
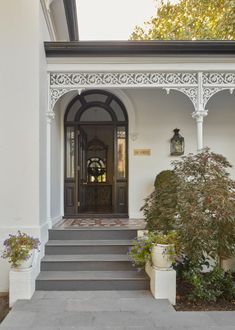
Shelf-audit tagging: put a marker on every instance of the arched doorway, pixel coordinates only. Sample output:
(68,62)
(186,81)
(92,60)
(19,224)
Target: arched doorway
(96,155)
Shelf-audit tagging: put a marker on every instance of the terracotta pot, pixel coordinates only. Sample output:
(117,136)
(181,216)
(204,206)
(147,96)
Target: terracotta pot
(161,258)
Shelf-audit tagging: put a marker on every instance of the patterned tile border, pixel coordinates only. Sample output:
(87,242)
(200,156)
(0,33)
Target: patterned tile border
(101,223)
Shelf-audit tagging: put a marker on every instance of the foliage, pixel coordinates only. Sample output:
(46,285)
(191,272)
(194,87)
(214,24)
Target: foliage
(190,20)
(160,206)
(209,286)
(206,206)
(17,248)
(140,252)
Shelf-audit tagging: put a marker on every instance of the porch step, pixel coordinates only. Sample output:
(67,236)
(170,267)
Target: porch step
(90,259)
(97,262)
(92,234)
(91,280)
(87,246)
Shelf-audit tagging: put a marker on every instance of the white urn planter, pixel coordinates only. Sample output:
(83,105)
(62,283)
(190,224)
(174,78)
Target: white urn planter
(26,264)
(162,256)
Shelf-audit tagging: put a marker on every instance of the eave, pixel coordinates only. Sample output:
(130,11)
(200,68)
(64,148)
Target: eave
(140,48)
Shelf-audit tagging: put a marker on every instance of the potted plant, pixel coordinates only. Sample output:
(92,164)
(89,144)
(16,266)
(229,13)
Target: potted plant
(19,250)
(156,248)
(165,249)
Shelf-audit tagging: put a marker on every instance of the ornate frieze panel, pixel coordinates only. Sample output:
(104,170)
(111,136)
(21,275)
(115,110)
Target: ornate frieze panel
(218,78)
(198,86)
(122,79)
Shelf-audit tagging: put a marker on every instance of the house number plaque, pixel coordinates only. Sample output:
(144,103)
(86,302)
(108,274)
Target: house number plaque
(142,152)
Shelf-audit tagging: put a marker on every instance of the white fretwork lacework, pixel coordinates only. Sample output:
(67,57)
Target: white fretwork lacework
(191,92)
(116,79)
(218,78)
(198,86)
(55,94)
(208,92)
(214,82)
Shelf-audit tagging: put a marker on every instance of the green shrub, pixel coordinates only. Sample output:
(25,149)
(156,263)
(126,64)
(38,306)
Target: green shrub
(209,286)
(205,206)
(160,206)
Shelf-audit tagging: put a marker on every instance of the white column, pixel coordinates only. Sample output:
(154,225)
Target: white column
(50,117)
(199,120)
(200,112)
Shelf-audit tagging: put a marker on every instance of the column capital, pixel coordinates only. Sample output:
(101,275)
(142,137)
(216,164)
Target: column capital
(199,115)
(50,116)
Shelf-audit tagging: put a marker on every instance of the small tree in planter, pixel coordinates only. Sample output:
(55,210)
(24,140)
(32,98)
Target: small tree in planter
(206,206)
(160,206)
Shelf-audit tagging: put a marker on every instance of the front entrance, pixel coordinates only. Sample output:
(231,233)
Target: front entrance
(96,176)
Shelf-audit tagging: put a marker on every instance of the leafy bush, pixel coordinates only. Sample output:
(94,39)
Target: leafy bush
(205,206)
(160,206)
(209,286)
(17,248)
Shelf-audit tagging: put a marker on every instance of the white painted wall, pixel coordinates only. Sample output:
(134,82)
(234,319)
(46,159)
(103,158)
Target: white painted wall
(158,114)
(23,70)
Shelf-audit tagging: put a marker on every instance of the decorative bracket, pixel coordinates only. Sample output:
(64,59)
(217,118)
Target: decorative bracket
(214,82)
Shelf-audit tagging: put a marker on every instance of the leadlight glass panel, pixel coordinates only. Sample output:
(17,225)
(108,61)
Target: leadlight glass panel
(95,98)
(73,110)
(117,110)
(70,152)
(95,114)
(121,152)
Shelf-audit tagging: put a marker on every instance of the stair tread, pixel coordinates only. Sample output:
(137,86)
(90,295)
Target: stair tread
(87,242)
(92,275)
(85,257)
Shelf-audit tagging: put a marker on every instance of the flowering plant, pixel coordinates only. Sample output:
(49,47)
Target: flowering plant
(17,248)
(140,252)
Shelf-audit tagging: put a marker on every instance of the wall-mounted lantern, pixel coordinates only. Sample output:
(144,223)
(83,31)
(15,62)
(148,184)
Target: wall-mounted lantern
(177,143)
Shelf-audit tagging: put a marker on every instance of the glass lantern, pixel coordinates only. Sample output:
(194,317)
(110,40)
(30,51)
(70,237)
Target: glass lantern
(177,143)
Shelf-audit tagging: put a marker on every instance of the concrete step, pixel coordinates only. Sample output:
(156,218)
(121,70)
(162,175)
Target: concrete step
(91,280)
(97,262)
(88,246)
(92,234)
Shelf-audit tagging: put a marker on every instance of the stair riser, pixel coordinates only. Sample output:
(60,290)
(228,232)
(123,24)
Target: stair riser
(91,285)
(91,234)
(91,249)
(86,265)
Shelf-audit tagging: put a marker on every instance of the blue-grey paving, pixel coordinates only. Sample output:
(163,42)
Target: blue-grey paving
(113,310)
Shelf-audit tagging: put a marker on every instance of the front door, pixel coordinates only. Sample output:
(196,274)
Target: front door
(96,163)
(96,185)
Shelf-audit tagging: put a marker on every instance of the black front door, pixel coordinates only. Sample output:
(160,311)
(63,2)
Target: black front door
(96,184)
(96,149)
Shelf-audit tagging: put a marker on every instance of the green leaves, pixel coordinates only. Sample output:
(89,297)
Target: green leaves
(160,206)
(190,20)
(17,248)
(206,205)
(209,286)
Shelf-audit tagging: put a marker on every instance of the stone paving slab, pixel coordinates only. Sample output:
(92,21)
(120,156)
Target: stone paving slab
(113,310)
